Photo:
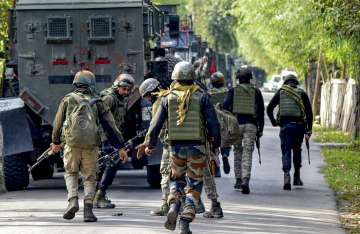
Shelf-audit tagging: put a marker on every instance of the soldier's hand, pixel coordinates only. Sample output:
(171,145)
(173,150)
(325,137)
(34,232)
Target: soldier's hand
(308,135)
(274,124)
(140,150)
(55,148)
(259,134)
(123,155)
(148,151)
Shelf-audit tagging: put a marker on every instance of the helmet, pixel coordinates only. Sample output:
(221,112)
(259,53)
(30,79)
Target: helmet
(148,86)
(183,71)
(244,73)
(85,78)
(217,78)
(289,76)
(124,80)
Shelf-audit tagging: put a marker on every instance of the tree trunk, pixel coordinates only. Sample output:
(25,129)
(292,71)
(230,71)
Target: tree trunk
(315,100)
(356,129)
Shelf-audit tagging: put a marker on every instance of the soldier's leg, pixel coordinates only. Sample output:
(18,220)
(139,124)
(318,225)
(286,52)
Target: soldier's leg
(238,152)
(72,166)
(88,171)
(248,149)
(286,148)
(165,182)
(298,140)
(178,164)
(211,193)
(225,152)
(196,164)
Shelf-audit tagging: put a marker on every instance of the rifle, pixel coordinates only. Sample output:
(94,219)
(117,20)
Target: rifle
(47,154)
(307,147)
(258,148)
(113,158)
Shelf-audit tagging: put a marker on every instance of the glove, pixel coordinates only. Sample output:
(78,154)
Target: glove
(274,123)
(140,150)
(123,155)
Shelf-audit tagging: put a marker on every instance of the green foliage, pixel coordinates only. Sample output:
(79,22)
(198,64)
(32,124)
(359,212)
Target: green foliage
(324,135)
(4,7)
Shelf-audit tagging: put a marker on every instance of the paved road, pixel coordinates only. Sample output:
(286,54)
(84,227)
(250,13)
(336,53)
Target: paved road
(268,209)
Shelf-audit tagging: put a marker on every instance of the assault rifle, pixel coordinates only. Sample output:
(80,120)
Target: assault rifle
(47,154)
(307,146)
(113,158)
(258,148)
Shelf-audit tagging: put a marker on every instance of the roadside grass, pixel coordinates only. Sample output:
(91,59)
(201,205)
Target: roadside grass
(342,173)
(324,135)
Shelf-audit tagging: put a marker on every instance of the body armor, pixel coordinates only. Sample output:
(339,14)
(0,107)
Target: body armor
(191,129)
(218,95)
(288,107)
(244,100)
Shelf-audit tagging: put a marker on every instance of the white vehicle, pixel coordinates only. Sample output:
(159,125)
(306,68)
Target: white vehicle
(273,84)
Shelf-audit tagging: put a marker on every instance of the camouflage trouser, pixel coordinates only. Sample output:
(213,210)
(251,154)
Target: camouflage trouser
(83,161)
(187,166)
(165,173)
(243,150)
(209,181)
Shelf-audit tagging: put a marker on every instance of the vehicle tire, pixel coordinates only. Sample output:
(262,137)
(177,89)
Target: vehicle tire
(153,176)
(44,171)
(16,175)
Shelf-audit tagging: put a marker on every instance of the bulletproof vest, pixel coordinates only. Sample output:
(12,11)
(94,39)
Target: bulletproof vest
(244,100)
(288,107)
(217,95)
(81,120)
(192,128)
(118,110)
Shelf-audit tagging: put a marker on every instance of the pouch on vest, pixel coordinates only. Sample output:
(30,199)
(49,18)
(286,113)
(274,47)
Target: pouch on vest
(82,127)
(288,106)
(229,126)
(244,100)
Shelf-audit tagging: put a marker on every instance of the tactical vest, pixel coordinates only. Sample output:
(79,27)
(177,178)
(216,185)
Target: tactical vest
(192,128)
(288,106)
(244,100)
(218,95)
(118,110)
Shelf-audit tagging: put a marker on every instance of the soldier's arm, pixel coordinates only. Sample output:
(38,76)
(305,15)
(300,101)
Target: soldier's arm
(58,122)
(211,121)
(308,111)
(260,110)
(108,123)
(228,100)
(157,123)
(272,104)
(109,101)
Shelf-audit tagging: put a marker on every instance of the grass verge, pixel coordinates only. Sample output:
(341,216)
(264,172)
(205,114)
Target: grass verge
(324,135)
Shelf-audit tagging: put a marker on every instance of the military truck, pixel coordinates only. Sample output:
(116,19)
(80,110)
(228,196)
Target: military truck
(50,40)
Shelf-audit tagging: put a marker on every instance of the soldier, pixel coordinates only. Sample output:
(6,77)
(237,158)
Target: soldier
(247,103)
(218,93)
(147,90)
(295,119)
(188,112)
(77,116)
(115,98)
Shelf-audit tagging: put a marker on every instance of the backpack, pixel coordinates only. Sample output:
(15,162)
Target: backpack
(229,126)
(82,126)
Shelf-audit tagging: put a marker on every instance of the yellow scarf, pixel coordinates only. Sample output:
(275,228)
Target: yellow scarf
(183,100)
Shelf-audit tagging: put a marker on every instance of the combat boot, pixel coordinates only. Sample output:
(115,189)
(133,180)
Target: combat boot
(245,186)
(101,202)
(88,213)
(162,211)
(297,180)
(184,227)
(238,183)
(171,216)
(215,210)
(200,208)
(226,165)
(72,208)
(287,181)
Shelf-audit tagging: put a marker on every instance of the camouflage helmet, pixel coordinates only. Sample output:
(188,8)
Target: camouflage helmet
(217,78)
(149,85)
(124,80)
(85,78)
(289,76)
(183,71)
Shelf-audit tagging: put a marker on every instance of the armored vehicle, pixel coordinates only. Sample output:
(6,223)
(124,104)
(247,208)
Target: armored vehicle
(50,40)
